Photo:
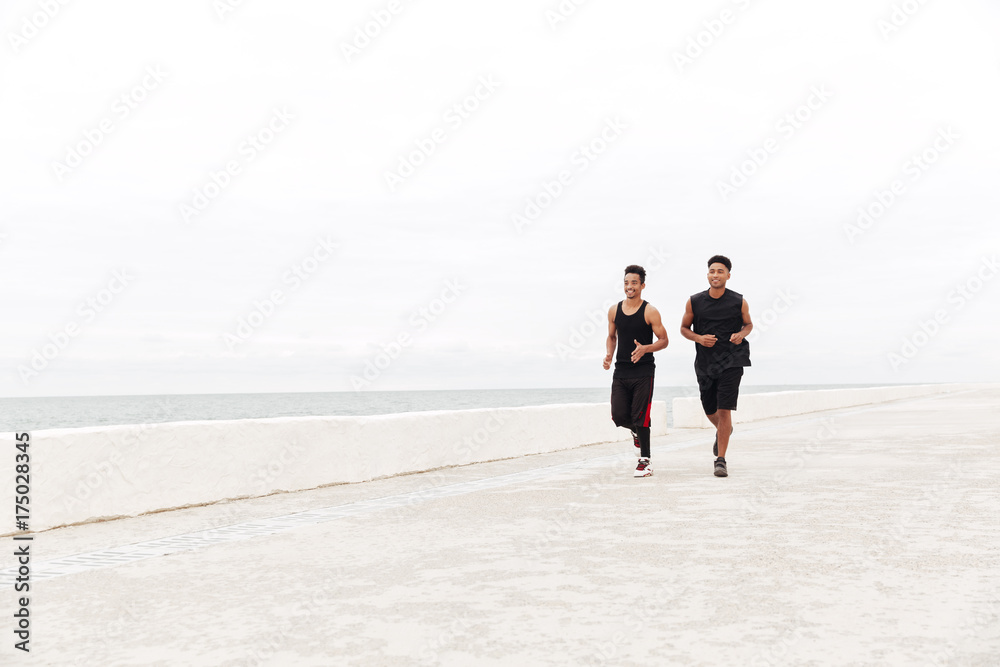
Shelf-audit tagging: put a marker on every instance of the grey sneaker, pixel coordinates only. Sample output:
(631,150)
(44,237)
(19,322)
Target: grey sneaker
(720,468)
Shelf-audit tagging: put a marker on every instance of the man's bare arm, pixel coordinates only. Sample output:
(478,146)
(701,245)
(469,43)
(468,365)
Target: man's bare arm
(707,340)
(747,325)
(654,320)
(612,337)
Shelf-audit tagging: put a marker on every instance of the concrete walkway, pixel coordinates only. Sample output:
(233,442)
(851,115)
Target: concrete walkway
(864,536)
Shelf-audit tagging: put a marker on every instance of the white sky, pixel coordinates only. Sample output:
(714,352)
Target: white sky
(521,292)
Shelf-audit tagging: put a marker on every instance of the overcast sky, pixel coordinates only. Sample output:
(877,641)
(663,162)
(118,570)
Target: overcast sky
(205,196)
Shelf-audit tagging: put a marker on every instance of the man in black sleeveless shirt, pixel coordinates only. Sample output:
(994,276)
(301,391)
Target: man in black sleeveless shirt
(632,385)
(718,320)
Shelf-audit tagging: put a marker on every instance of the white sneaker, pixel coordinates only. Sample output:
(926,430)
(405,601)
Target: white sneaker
(644,469)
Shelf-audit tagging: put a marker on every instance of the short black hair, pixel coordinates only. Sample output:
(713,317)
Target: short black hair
(720,259)
(635,268)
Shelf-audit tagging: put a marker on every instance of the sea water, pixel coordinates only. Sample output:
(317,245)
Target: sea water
(30,414)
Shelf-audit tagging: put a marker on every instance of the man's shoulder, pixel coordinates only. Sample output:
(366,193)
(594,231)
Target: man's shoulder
(734,293)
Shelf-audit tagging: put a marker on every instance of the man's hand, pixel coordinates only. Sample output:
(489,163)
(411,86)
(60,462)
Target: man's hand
(639,350)
(708,340)
(607,361)
(736,338)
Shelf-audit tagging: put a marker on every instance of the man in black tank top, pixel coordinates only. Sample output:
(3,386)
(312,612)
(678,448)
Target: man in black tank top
(632,324)
(718,320)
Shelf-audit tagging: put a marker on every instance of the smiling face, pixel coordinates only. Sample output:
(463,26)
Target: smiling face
(718,275)
(633,285)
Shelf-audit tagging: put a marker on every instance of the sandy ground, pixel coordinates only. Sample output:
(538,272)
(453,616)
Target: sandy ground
(864,536)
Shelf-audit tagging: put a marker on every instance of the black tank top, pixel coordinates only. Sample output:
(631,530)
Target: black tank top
(633,328)
(722,317)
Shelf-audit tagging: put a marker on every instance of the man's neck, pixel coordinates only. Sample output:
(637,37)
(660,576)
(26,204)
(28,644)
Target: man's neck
(716,292)
(632,302)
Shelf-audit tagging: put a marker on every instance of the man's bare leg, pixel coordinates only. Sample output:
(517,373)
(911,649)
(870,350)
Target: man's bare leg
(715,418)
(723,427)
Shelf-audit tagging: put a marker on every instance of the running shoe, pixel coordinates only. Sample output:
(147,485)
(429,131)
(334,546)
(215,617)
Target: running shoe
(720,468)
(635,439)
(644,469)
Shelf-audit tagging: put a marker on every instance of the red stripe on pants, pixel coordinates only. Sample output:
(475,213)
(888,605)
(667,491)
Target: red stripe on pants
(649,407)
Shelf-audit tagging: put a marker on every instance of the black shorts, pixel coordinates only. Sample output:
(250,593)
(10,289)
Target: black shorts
(631,401)
(720,393)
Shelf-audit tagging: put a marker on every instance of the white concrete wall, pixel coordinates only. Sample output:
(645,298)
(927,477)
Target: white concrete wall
(688,413)
(88,474)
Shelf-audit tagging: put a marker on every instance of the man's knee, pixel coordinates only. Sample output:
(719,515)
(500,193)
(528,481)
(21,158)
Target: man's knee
(621,418)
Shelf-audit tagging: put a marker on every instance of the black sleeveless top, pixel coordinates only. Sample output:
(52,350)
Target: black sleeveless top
(633,328)
(722,317)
